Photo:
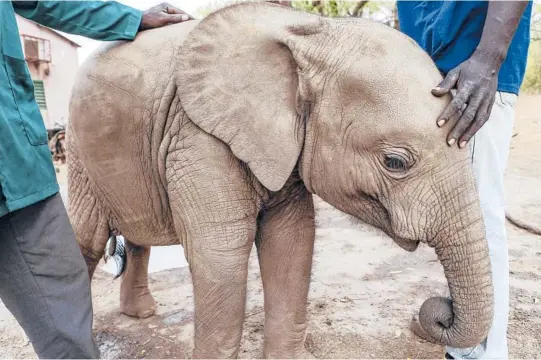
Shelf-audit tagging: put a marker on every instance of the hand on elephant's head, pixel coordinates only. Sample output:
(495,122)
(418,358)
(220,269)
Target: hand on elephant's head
(162,15)
(348,101)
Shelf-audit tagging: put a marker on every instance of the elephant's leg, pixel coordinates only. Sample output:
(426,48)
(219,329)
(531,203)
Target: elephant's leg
(135,297)
(215,214)
(87,217)
(285,247)
(219,265)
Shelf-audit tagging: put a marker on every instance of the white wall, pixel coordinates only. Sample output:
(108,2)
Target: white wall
(63,68)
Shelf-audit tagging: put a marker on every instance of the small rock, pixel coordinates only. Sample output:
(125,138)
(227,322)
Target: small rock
(328,322)
(167,353)
(397,333)
(372,355)
(535,300)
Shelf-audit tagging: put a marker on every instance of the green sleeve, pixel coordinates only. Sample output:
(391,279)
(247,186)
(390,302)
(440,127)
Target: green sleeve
(97,20)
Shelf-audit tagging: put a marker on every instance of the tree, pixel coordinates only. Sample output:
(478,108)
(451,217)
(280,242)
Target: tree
(383,11)
(332,8)
(532,78)
(283,3)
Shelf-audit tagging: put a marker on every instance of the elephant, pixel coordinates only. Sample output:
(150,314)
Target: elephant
(216,134)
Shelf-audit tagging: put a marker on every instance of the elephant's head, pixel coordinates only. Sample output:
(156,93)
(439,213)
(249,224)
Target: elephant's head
(349,103)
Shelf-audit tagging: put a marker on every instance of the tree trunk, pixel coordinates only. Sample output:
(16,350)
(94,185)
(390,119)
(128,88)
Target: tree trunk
(358,8)
(283,3)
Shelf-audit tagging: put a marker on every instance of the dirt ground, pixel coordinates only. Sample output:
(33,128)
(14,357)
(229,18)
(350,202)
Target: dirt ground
(364,288)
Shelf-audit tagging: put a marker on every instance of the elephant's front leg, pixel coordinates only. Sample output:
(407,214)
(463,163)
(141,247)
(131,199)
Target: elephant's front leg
(215,214)
(219,265)
(135,297)
(285,247)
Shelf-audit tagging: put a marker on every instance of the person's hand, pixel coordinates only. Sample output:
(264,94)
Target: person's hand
(476,82)
(161,15)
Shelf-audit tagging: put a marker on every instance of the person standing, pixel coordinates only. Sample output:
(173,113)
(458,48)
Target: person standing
(44,281)
(481,48)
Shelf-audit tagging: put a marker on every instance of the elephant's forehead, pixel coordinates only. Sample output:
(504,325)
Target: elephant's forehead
(391,98)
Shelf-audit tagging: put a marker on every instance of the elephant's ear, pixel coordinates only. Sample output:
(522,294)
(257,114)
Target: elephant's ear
(238,79)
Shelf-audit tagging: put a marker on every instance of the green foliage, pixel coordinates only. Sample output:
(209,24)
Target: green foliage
(332,8)
(532,79)
(340,8)
(325,8)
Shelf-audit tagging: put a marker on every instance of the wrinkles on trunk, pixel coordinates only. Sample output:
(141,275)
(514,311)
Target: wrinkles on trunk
(464,320)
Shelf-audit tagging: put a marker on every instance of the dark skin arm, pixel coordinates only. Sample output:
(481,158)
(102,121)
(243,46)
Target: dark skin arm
(156,16)
(161,15)
(476,79)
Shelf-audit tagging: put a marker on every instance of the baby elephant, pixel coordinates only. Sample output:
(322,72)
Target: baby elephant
(214,134)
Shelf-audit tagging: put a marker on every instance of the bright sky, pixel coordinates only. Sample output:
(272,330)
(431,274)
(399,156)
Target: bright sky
(190,6)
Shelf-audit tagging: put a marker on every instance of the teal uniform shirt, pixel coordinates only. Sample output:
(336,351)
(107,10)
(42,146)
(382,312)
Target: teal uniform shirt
(27,173)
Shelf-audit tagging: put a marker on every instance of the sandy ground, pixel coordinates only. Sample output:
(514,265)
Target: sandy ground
(364,288)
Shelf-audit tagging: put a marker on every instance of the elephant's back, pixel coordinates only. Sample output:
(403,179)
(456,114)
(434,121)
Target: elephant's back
(132,75)
(115,132)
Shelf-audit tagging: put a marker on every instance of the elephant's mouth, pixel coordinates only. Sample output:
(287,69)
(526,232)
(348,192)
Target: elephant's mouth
(408,245)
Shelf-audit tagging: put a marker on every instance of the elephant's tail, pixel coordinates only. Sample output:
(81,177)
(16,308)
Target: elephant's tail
(116,250)
(518,222)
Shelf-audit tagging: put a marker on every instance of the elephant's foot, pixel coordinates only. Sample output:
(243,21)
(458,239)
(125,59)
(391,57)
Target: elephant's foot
(302,354)
(415,326)
(139,304)
(285,348)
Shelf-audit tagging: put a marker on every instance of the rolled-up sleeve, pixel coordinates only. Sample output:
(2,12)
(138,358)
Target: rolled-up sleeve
(98,20)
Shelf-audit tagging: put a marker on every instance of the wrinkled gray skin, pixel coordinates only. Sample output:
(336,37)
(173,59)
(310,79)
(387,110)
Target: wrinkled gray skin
(215,134)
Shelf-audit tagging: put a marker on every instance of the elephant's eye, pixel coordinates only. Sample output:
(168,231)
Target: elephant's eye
(395,163)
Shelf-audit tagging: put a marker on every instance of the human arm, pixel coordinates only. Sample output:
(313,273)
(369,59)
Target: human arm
(98,20)
(476,79)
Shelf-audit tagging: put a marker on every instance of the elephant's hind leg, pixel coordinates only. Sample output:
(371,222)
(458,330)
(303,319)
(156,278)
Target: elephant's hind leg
(87,216)
(135,297)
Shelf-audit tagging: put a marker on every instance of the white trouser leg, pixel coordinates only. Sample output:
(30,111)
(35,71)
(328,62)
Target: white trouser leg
(490,151)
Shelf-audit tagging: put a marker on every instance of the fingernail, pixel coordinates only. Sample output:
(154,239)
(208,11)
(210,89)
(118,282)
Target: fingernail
(451,142)
(184,17)
(437,88)
(441,122)
(462,144)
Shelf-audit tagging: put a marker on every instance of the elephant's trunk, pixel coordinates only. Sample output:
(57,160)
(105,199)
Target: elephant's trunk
(462,249)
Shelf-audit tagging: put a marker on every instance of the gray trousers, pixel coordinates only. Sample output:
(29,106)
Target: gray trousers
(44,281)
(490,151)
